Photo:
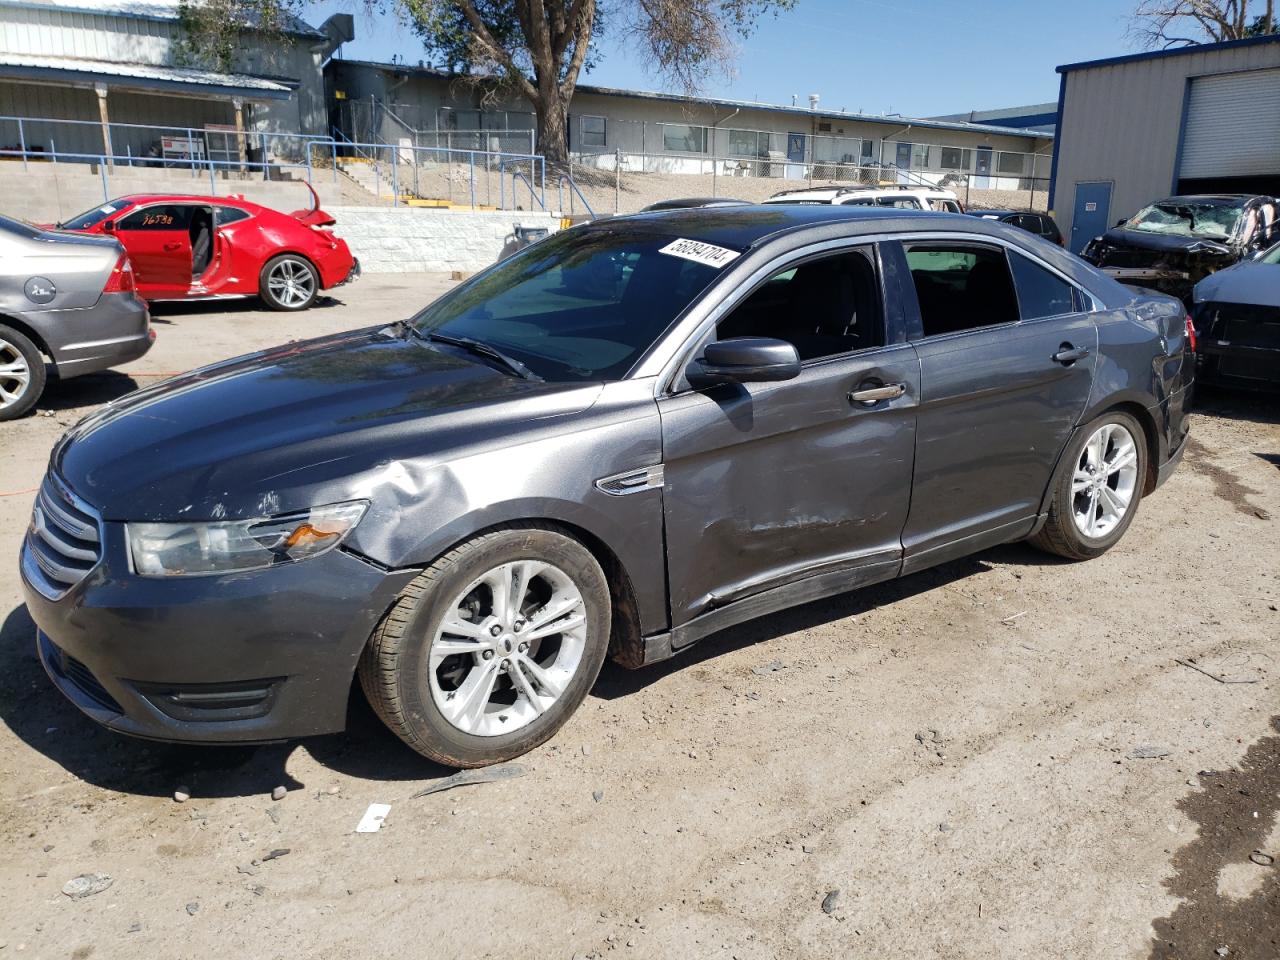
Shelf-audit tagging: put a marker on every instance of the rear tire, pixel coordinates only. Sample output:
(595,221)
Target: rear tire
(288,283)
(22,375)
(469,679)
(1097,490)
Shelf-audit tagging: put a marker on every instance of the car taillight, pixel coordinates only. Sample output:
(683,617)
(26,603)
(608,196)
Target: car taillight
(1191,335)
(121,278)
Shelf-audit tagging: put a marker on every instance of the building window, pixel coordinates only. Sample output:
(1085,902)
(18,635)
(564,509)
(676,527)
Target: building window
(683,138)
(1014,163)
(748,143)
(868,151)
(955,158)
(920,156)
(591,131)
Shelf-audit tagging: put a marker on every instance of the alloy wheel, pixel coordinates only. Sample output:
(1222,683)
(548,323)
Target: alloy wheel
(15,375)
(1105,478)
(291,283)
(508,647)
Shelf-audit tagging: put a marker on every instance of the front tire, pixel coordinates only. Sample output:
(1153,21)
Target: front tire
(288,283)
(22,375)
(1097,490)
(488,652)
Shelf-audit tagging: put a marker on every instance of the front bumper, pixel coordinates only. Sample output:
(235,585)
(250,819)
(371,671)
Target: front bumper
(250,657)
(1234,365)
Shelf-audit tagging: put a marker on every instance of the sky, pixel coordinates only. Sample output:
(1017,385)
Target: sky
(916,57)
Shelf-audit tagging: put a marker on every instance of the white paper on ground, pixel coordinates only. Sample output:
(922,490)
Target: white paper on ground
(373,818)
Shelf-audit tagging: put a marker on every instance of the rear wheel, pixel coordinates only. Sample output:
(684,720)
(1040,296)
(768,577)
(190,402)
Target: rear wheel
(491,649)
(289,282)
(22,374)
(1098,488)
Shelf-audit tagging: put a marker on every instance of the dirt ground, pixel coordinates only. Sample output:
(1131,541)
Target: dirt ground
(999,758)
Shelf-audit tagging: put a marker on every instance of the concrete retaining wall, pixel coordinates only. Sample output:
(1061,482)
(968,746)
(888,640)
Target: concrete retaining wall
(406,239)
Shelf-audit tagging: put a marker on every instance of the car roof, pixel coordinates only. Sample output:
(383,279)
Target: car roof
(680,203)
(996,213)
(1217,199)
(138,198)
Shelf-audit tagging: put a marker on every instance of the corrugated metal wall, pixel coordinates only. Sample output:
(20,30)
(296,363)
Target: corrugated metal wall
(1121,123)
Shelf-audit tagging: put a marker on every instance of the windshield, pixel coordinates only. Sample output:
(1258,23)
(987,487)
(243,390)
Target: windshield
(90,217)
(584,304)
(1214,220)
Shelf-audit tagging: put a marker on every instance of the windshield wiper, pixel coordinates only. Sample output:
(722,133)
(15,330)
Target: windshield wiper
(482,349)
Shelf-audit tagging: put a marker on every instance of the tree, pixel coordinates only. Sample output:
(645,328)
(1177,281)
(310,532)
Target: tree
(537,48)
(1171,23)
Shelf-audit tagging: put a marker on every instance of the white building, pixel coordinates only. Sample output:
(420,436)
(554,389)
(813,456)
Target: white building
(101,65)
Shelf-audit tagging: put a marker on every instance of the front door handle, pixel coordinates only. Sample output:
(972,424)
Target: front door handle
(869,394)
(175,245)
(1067,354)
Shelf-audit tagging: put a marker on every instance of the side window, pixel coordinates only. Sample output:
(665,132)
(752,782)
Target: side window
(824,307)
(1040,293)
(168,216)
(961,286)
(229,215)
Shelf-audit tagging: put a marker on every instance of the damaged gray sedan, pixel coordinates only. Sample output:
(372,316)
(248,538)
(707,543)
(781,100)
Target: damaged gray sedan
(624,438)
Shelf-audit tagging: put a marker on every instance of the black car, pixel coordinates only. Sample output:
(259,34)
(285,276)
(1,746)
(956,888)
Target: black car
(687,203)
(624,438)
(1041,224)
(1172,245)
(1236,313)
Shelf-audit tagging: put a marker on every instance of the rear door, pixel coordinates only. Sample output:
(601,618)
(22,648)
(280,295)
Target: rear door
(1005,373)
(158,241)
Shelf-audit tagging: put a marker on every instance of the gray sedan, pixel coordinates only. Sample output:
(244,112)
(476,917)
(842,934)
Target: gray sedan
(626,437)
(68,298)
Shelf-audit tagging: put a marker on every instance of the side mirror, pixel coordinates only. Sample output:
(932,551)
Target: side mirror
(745,360)
(108,226)
(1121,222)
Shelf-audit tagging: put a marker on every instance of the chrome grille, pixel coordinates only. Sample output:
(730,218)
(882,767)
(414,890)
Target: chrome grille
(63,541)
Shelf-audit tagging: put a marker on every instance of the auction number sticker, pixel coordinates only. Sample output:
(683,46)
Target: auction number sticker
(707,254)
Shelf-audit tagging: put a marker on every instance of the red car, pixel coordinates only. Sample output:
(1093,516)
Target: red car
(191,248)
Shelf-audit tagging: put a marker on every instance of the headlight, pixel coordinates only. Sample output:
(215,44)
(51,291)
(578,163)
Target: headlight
(192,549)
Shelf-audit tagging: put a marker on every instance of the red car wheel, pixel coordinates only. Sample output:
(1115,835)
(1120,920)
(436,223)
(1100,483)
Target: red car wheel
(288,282)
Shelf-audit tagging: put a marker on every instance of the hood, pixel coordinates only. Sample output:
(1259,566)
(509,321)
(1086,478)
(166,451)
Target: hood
(1166,243)
(298,425)
(1249,282)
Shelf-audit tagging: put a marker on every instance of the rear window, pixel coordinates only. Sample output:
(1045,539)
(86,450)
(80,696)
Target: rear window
(584,304)
(1040,293)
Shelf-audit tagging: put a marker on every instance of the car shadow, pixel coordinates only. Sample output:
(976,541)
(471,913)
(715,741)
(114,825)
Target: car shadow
(161,310)
(41,718)
(1233,404)
(90,390)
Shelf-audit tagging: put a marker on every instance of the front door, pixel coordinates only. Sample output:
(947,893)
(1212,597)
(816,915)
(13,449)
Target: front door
(768,483)
(795,147)
(157,240)
(1089,219)
(1006,363)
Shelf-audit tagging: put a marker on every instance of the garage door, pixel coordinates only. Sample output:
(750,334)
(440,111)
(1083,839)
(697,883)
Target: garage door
(1233,126)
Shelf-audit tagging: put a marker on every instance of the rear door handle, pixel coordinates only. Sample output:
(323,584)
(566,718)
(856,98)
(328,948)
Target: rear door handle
(1067,354)
(869,394)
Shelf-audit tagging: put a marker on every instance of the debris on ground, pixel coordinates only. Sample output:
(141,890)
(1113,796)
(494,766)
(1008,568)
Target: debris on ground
(1008,621)
(924,737)
(276,854)
(466,778)
(87,885)
(274,814)
(181,794)
(193,908)
(1212,675)
(597,795)
(830,901)
(773,666)
(248,869)
(1262,859)
(371,822)
(1148,752)
(278,793)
